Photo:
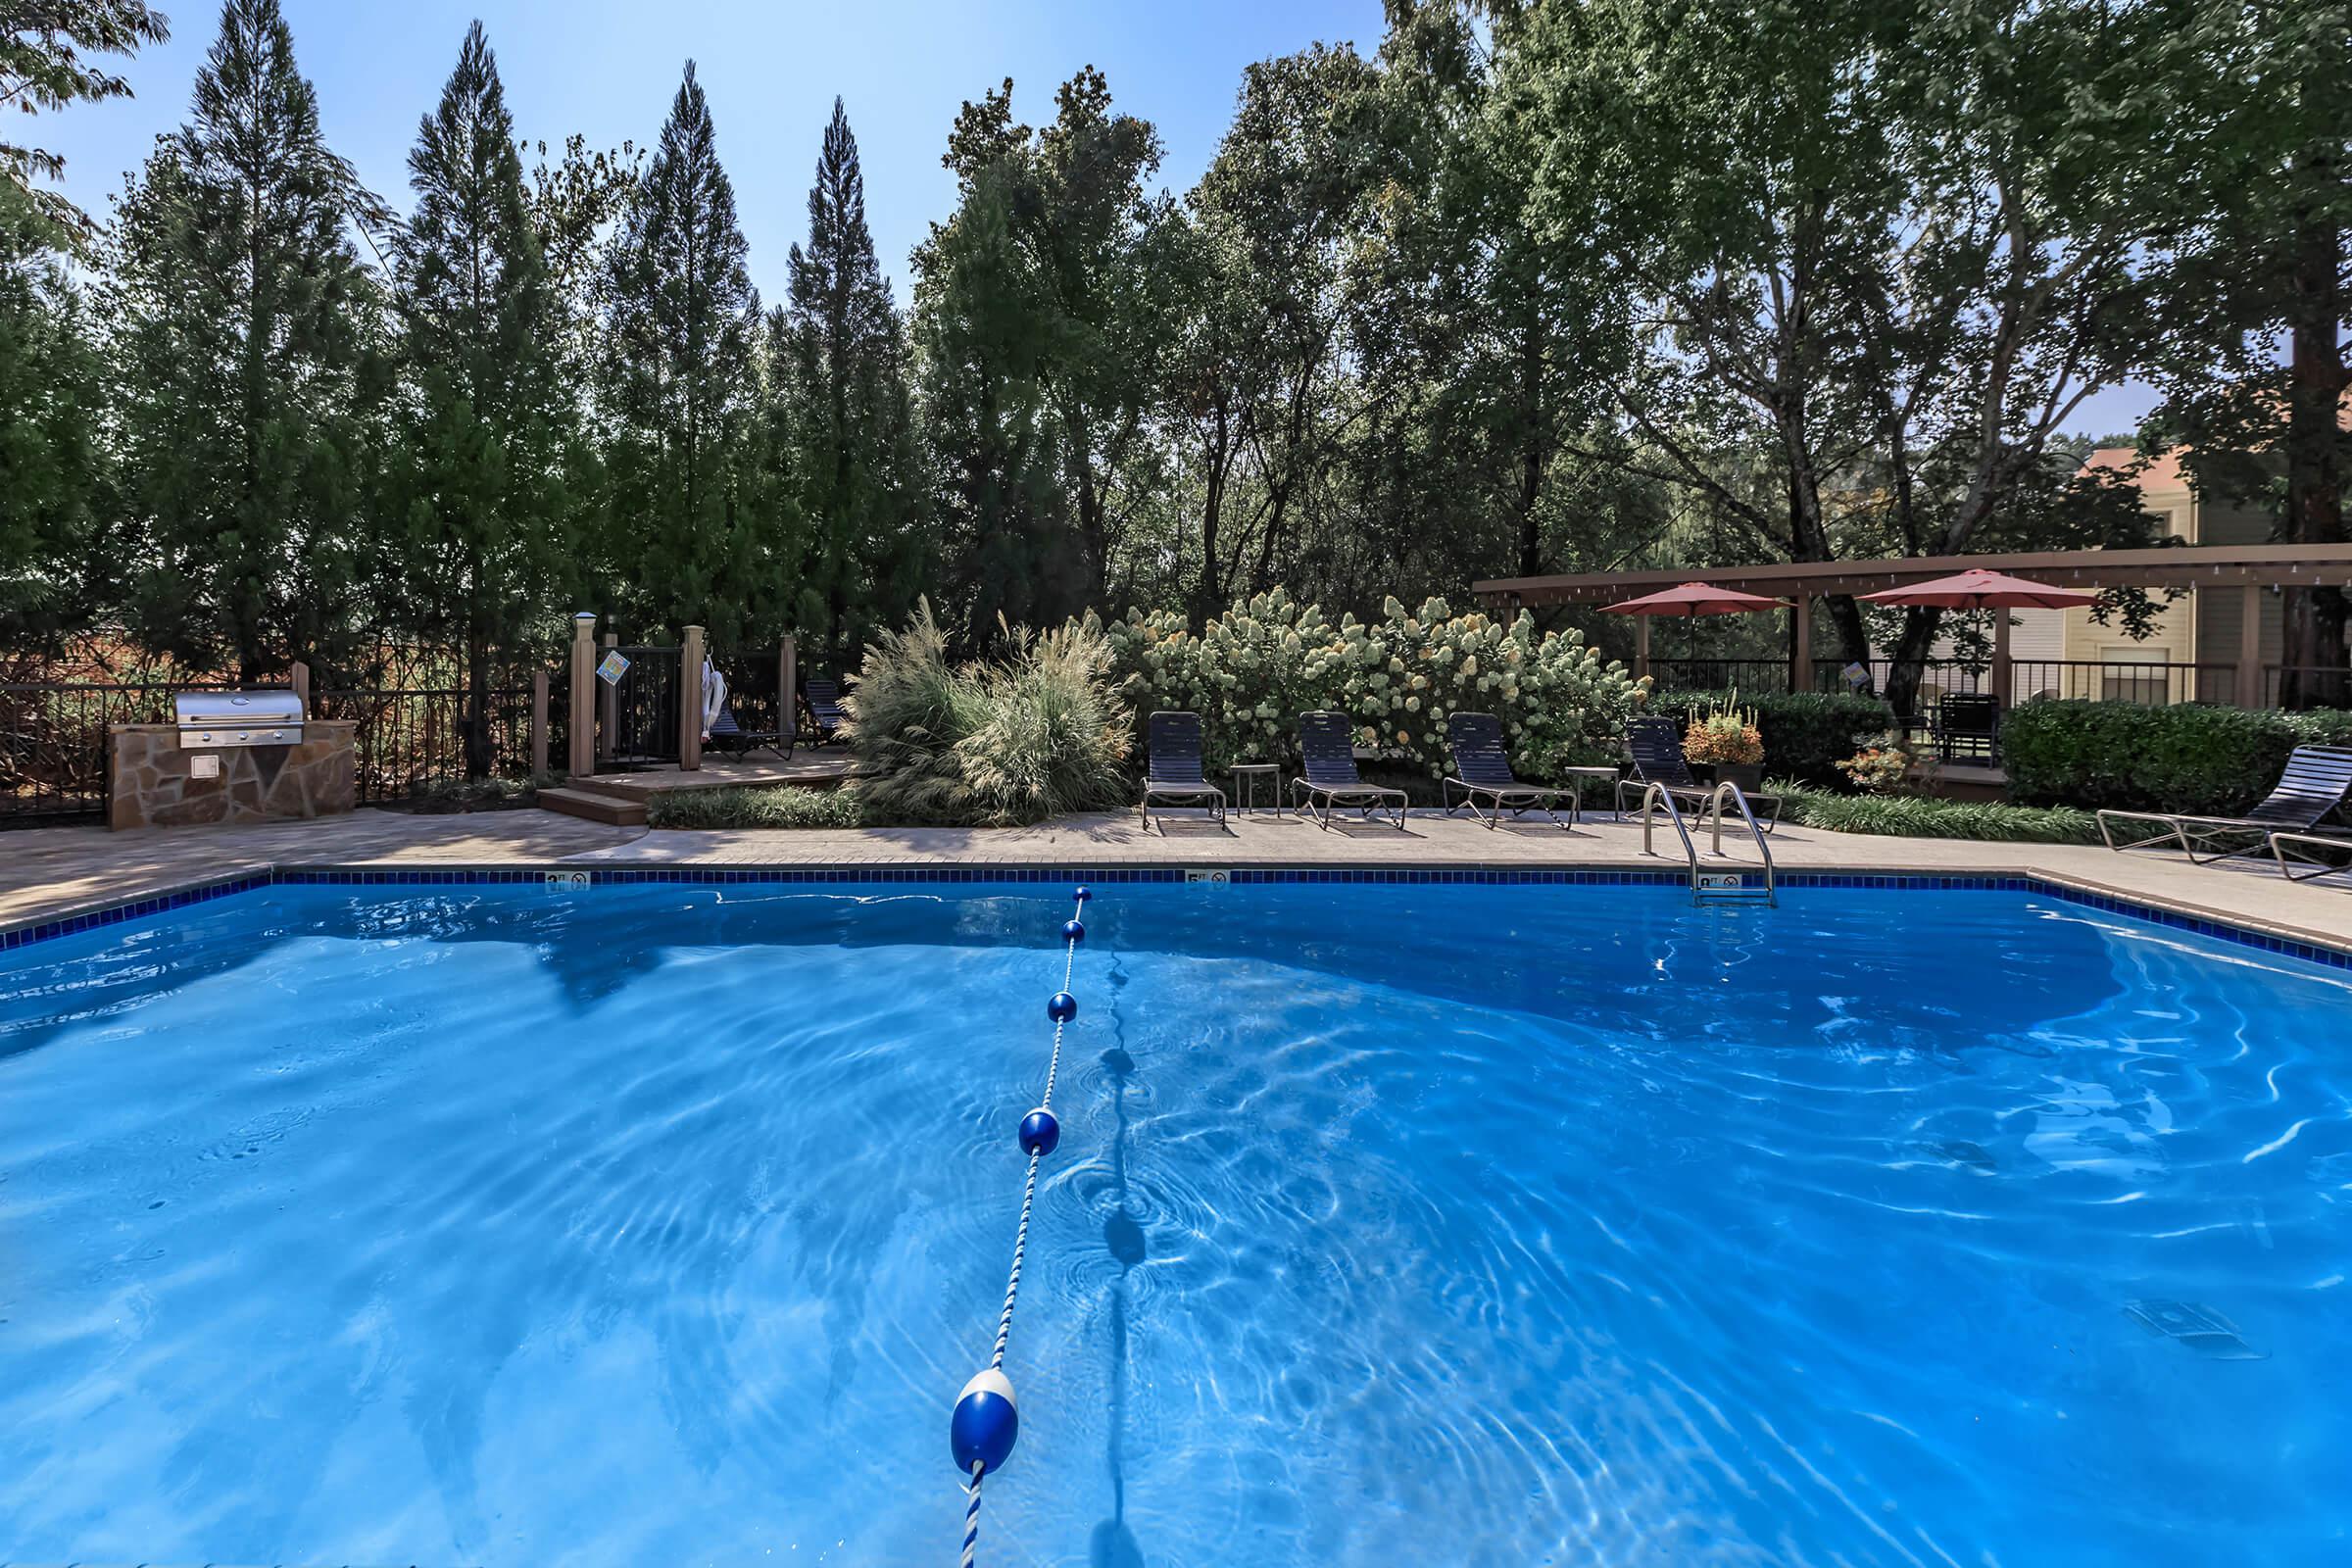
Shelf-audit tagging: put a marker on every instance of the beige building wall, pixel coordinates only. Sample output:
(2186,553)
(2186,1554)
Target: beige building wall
(2197,628)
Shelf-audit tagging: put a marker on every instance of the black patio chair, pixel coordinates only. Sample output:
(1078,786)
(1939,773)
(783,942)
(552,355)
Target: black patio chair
(1327,743)
(1481,769)
(825,712)
(1655,744)
(1966,726)
(1173,773)
(2313,785)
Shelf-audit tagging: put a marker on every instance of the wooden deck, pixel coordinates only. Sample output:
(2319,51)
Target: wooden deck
(817,769)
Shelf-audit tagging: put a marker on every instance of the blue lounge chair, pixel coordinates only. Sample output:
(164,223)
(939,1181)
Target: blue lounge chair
(1173,773)
(1327,743)
(1481,769)
(825,713)
(728,736)
(2313,785)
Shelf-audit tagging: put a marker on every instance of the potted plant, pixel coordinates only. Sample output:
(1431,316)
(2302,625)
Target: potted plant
(1727,741)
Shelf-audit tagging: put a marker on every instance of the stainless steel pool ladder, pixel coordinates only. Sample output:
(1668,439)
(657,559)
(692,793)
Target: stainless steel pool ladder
(1711,887)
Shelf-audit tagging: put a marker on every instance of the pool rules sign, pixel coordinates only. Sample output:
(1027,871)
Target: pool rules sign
(613,668)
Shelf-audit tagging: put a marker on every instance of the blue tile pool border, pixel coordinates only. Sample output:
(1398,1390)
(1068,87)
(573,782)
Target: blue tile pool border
(2338,957)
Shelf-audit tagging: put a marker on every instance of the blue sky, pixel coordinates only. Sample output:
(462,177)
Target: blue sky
(607,68)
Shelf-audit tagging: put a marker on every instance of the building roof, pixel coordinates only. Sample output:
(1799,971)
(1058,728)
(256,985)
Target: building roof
(2161,475)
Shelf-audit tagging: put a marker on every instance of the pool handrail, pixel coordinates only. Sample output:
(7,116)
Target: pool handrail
(1731,789)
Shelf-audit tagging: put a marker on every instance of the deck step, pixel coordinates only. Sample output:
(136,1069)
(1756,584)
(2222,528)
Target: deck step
(594,806)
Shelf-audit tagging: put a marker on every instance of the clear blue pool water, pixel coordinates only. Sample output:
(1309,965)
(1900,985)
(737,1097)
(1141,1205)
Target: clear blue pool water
(1391,1225)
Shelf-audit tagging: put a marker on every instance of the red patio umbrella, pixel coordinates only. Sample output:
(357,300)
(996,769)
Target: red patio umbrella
(1695,598)
(1689,600)
(1979,589)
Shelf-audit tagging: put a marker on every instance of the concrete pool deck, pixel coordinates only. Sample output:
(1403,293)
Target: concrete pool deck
(52,873)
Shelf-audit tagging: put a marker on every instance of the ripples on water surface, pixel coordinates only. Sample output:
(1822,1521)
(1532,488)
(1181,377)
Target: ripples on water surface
(1391,1225)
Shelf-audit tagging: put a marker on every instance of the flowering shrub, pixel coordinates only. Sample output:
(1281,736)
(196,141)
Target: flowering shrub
(1878,768)
(1252,672)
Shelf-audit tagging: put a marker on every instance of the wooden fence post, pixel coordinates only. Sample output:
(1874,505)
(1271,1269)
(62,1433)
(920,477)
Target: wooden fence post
(608,707)
(582,724)
(2249,647)
(690,701)
(788,701)
(299,680)
(2004,684)
(1800,639)
(539,684)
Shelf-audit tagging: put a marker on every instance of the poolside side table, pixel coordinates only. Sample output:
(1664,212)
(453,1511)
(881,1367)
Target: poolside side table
(1607,777)
(1244,784)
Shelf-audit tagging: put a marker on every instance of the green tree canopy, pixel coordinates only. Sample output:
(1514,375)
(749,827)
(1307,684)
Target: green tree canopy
(697,538)
(482,516)
(242,326)
(47,50)
(845,414)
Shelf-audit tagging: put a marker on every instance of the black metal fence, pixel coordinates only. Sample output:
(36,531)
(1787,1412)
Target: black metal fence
(641,708)
(53,742)
(2148,682)
(409,740)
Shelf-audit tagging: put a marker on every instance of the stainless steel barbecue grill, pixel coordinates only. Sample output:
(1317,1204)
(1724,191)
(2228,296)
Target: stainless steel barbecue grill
(210,721)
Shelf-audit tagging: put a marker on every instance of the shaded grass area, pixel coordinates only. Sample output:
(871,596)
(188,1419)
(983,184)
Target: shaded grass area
(449,798)
(787,805)
(1919,818)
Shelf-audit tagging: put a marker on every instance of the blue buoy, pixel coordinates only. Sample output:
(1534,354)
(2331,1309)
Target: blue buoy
(1073,930)
(985,1423)
(1084,893)
(1039,1132)
(1061,1006)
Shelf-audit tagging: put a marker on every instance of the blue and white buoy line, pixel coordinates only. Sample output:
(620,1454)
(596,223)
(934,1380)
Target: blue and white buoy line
(987,1418)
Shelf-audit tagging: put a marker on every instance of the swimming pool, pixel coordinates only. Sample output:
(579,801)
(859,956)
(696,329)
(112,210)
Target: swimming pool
(1459,1224)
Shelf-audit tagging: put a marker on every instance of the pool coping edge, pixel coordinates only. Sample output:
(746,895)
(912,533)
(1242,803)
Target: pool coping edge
(2288,941)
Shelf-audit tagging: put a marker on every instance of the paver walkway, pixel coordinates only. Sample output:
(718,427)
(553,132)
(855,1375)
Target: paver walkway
(47,872)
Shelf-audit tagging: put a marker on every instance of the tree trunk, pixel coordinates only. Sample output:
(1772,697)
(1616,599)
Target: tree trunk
(1910,659)
(478,706)
(1212,511)
(2314,660)
(1532,452)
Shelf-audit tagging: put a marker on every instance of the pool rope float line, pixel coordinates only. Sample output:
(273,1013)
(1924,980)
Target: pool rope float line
(986,1418)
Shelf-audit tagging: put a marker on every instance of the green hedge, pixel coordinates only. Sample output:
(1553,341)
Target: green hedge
(2191,756)
(1915,816)
(789,806)
(1806,734)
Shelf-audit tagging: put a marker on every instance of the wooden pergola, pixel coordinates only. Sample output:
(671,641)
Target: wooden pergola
(2249,568)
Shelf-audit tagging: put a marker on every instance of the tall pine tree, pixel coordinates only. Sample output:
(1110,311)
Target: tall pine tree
(845,417)
(51,572)
(480,538)
(698,536)
(243,322)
